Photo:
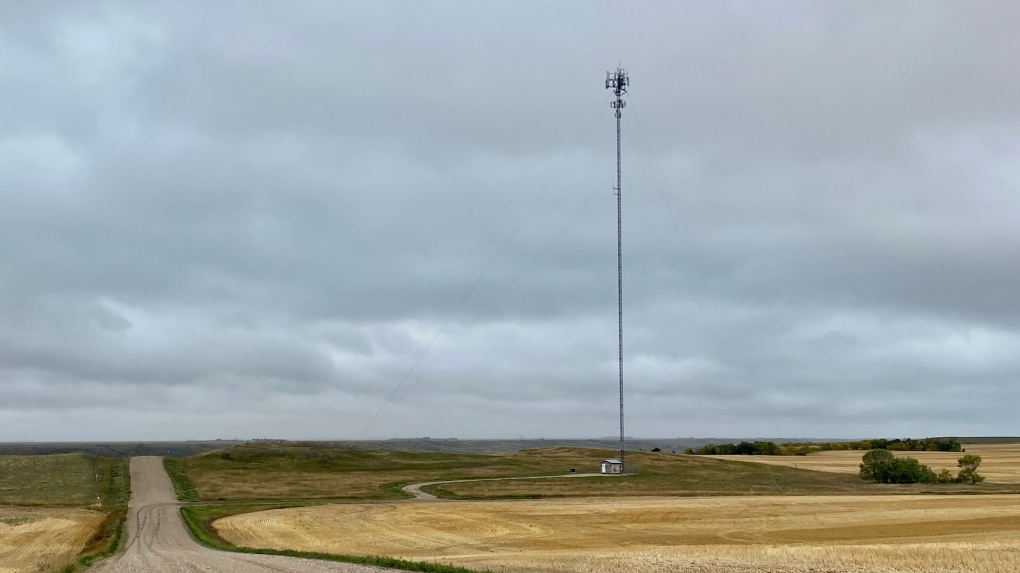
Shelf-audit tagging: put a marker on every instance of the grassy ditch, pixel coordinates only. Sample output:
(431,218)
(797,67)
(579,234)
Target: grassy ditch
(199,520)
(182,485)
(109,537)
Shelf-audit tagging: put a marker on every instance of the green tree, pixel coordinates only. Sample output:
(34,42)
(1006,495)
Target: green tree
(968,469)
(906,470)
(874,462)
(884,467)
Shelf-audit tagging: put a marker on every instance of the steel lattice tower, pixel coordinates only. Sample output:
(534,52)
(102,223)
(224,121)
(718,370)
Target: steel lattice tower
(618,82)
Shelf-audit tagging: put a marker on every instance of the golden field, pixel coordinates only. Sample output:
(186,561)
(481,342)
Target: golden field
(38,539)
(1000,463)
(889,533)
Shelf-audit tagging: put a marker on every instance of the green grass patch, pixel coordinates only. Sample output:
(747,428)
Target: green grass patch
(109,537)
(182,485)
(115,474)
(315,471)
(307,472)
(671,475)
(16,521)
(396,490)
(199,520)
(64,479)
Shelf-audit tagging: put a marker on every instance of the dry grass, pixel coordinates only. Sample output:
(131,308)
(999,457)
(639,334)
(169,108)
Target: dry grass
(1000,463)
(293,472)
(39,539)
(301,472)
(821,533)
(299,483)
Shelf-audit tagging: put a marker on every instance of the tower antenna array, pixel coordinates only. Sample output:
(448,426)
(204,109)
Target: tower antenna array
(618,82)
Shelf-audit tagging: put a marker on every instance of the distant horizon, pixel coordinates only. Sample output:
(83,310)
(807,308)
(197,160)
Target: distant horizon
(437,439)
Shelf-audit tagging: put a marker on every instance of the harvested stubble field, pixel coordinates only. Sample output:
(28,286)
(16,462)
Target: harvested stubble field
(949,533)
(36,539)
(1000,463)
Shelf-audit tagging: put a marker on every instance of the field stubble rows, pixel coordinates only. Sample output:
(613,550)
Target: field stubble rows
(795,533)
(64,510)
(1000,462)
(37,538)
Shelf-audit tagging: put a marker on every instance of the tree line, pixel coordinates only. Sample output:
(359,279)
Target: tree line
(765,448)
(741,449)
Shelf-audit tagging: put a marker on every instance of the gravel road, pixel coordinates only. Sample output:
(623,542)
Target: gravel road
(158,541)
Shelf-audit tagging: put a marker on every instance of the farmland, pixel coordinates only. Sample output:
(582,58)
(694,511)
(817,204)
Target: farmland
(780,533)
(308,472)
(56,510)
(677,512)
(666,474)
(1000,462)
(303,472)
(37,538)
(66,479)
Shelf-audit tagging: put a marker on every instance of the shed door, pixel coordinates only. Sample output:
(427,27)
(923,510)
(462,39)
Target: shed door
(604,469)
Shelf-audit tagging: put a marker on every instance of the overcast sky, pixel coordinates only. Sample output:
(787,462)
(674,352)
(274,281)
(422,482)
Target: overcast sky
(266,219)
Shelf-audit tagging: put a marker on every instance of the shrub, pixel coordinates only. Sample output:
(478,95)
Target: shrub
(907,470)
(873,462)
(946,476)
(968,469)
(882,467)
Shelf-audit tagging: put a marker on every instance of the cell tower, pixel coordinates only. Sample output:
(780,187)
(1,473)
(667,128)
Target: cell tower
(618,82)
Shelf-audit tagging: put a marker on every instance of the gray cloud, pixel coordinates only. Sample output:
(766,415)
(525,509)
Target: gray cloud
(251,220)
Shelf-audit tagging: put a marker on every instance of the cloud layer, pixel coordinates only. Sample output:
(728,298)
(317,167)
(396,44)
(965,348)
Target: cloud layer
(252,220)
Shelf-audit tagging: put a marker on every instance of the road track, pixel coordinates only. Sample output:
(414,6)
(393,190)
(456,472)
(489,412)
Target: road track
(159,542)
(419,495)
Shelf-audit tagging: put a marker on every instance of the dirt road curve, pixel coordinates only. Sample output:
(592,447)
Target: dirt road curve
(419,495)
(158,541)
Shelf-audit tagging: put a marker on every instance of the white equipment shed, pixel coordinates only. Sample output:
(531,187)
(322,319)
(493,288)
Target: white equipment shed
(612,467)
